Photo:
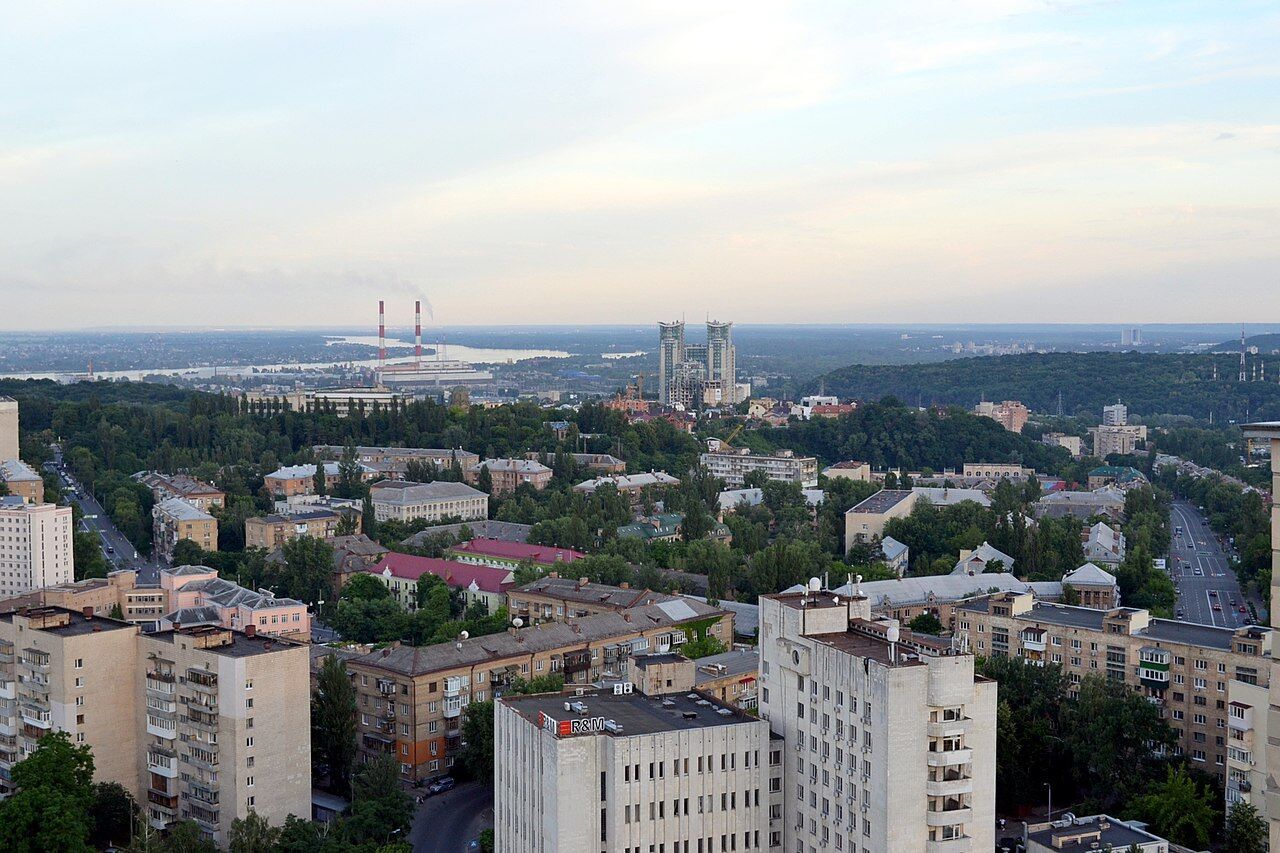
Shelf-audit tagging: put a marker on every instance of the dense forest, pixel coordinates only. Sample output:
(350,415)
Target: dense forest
(1148,384)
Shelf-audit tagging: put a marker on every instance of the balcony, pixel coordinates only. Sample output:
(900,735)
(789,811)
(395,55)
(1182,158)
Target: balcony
(162,765)
(8,689)
(201,759)
(950,728)
(452,709)
(161,727)
(452,687)
(203,816)
(949,787)
(964,844)
(948,817)
(37,717)
(201,721)
(163,799)
(379,743)
(947,758)
(160,683)
(34,662)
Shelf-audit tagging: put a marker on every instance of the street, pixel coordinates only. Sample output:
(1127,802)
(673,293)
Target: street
(1211,597)
(121,554)
(449,822)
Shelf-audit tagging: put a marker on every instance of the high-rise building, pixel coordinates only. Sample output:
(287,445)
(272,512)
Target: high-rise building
(8,428)
(37,545)
(890,736)
(628,771)
(697,374)
(1266,748)
(198,723)
(1116,414)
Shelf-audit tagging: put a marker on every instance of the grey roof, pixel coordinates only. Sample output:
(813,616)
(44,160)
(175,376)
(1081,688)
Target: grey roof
(739,662)
(294,472)
(1081,504)
(569,589)
(623,482)
(636,713)
(746,616)
(892,548)
(903,592)
(1054,614)
(398,492)
(240,646)
(206,615)
(1089,575)
(982,555)
(179,571)
(17,471)
(180,509)
(520,466)
(882,501)
(731,498)
(950,497)
(506,531)
(228,594)
(419,660)
(1191,633)
(1116,835)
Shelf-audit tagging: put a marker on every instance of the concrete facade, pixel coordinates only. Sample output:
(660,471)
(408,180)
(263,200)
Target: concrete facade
(783,466)
(22,480)
(405,501)
(35,546)
(174,520)
(890,738)
(8,428)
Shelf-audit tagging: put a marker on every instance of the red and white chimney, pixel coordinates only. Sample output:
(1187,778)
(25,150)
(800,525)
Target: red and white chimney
(417,331)
(382,337)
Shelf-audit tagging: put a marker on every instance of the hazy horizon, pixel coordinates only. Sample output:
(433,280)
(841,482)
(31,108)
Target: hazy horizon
(1022,161)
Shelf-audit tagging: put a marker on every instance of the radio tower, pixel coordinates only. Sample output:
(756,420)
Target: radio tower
(1242,379)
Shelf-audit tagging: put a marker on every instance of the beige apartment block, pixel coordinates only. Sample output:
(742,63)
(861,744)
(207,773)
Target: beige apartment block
(508,474)
(8,428)
(226,728)
(1181,667)
(1269,755)
(865,521)
(272,531)
(69,671)
(890,737)
(398,500)
(35,545)
(411,698)
(22,480)
(199,494)
(174,520)
(625,772)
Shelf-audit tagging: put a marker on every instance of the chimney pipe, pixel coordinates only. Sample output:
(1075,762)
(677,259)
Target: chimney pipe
(417,332)
(382,339)
(250,630)
(87,612)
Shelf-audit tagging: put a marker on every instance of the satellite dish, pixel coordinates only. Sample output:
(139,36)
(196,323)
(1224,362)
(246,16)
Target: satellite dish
(814,585)
(463,635)
(518,622)
(894,632)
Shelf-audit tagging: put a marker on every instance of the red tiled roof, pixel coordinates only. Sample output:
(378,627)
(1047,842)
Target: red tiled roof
(453,573)
(545,554)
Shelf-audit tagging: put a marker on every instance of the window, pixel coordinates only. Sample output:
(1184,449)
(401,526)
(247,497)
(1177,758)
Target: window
(248,781)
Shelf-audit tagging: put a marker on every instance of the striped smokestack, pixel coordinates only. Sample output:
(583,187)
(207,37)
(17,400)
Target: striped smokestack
(417,332)
(382,337)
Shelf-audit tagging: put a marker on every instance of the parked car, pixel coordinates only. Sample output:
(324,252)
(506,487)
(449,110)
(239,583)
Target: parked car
(444,783)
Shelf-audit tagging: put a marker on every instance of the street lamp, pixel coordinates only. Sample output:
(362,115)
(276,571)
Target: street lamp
(1050,787)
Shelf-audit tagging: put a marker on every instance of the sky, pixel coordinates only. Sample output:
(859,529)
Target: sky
(289,163)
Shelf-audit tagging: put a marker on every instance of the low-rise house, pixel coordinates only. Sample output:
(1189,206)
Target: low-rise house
(1120,475)
(897,556)
(1104,545)
(1095,587)
(732,464)
(865,521)
(197,591)
(604,463)
(484,528)
(1071,443)
(1082,505)
(475,583)
(508,474)
(174,520)
(975,562)
(195,492)
(663,527)
(732,677)
(22,480)
(509,555)
(850,469)
(293,480)
(272,531)
(555,599)
(393,462)
(629,484)
(397,500)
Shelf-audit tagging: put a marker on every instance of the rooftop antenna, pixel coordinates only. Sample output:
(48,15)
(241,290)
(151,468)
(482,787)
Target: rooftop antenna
(892,636)
(1242,379)
(1059,402)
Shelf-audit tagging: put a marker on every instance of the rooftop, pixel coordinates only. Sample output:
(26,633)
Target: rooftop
(547,555)
(623,482)
(868,640)
(882,501)
(1106,830)
(508,531)
(923,589)
(17,471)
(945,496)
(240,645)
(67,623)
(634,713)
(183,511)
(549,636)
(403,492)
(452,572)
(743,662)
(570,589)
(519,466)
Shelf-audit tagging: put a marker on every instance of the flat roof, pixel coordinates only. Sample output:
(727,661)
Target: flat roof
(743,662)
(882,501)
(599,594)
(404,492)
(181,509)
(77,624)
(1106,830)
(241,646)
(636,713)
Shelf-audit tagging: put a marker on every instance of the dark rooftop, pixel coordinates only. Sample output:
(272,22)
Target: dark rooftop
(655,660)
(241,646)
(636,713)
(882,501)
(67,623)
(1107,831)
(599,594)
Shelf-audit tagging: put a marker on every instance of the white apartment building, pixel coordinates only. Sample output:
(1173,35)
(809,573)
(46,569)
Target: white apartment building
(890,738)
(627,773)
(35,545)
(732,464)
(404,501)
(1115,415)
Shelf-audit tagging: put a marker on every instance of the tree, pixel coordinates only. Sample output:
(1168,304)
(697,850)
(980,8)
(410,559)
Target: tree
(253,834)
(186,836)
(379,806)
(333,723)
(318,479)
(702,647)
(1179,809)
(369,519)
(187,553)
(113,813)
(484,482)
(926,623)
(51,809)
(477,732)
(364,587)
(1246,830)
(349,473)
(308,569)
(1111,733)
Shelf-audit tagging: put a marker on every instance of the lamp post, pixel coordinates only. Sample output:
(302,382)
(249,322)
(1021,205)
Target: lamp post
(1050,787)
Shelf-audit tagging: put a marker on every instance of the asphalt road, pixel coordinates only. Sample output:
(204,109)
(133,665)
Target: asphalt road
(1206,597)
(449,822)
(122,554)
